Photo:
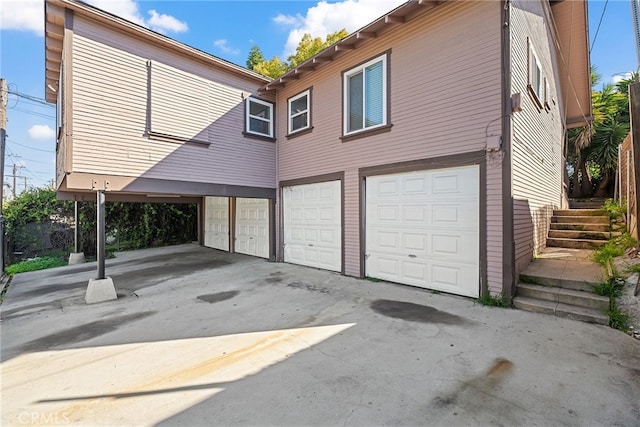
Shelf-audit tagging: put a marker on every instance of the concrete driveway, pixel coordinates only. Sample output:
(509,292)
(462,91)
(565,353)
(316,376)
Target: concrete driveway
(201,338)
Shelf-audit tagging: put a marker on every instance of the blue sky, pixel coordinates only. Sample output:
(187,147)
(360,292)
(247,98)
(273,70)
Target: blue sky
(226,29)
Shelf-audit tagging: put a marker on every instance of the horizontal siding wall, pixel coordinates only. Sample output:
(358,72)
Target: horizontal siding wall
(444,92)
(537,134)
(110,114)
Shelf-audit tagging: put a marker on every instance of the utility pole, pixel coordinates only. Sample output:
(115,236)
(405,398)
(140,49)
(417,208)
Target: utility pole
(3,137)
(635,17)
(15,168)
(25,184)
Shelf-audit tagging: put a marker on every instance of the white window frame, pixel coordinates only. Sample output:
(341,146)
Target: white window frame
(248,117)
(534,65)
(345,96)
(291,116)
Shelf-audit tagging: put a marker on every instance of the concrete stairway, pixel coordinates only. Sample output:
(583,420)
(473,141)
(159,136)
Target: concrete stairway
(579,229)
(560,283)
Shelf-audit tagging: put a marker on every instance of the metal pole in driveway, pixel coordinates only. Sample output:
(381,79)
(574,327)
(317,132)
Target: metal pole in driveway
(101,234)
(76,232)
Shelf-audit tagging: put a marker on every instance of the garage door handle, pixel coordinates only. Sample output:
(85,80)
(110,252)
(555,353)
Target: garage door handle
(412,256)
(311,244)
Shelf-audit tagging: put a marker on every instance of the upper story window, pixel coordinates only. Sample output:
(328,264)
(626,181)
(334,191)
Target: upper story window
(536,80)
(365,96)
(299,109)
(259,117)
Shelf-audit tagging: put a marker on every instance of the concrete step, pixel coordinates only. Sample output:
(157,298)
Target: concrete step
(556,282)
(575,243)
(583,314)
(579,234)
(579,212)
(580,219)
(586,203)
(564,296)
(580,227)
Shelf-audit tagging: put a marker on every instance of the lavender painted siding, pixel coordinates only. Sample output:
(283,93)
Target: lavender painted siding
(444,98)
(537,137)
(188,99)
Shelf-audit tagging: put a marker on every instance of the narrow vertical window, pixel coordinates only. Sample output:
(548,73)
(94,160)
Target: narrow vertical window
(536,79)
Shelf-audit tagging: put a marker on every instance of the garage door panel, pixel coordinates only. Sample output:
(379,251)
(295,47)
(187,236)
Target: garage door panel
(461,214)
(459,246)
(312,225)
(252,227)
(216,224)
(422,229)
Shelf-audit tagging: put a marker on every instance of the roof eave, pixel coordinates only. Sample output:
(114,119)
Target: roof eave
(54,33)
(571,19)
(355,40)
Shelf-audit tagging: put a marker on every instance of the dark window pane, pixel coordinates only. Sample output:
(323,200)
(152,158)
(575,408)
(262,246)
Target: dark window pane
(299,122)
(259,110)
(356,112)
(299,105)
(259,126)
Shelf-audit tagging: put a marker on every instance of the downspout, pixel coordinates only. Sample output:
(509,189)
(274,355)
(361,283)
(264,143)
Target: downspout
(508,244)
(277,235)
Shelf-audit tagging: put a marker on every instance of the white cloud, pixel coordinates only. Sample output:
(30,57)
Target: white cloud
(162,23)
(289,20)
(325,18)
(617,78)
(223,45)
(28,15)
(41,132)
(127,9)
(22,15)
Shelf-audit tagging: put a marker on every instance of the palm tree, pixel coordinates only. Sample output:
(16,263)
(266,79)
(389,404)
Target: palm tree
(596,145)
(604,150)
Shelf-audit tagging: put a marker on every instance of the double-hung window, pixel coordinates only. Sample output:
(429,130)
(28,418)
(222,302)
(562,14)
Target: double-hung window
(299,108)
(536,80)
(259,117)
(365,96)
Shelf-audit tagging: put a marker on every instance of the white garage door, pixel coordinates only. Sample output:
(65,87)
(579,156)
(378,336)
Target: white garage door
(252,227)
(313,225)
(216,223)
(422,229)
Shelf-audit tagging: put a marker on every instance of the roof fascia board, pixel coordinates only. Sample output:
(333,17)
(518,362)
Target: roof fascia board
(99,15)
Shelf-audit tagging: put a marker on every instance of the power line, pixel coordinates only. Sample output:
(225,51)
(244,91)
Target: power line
(35,113)
(30,97)
(599,23)
(31,148)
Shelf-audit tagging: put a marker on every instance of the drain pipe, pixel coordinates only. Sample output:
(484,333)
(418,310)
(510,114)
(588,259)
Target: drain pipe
(508,244)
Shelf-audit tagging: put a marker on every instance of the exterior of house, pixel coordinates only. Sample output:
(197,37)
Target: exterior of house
(426,148)
(146,118)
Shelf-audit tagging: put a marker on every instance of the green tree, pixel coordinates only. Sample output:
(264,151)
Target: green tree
(272,68)
(595,147)
(307,48)
(37,216)
(578,153)
(255,57)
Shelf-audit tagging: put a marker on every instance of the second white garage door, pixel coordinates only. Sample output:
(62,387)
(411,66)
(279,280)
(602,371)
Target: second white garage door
(252,227)
(216,224)
(422,229)
(313,225)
